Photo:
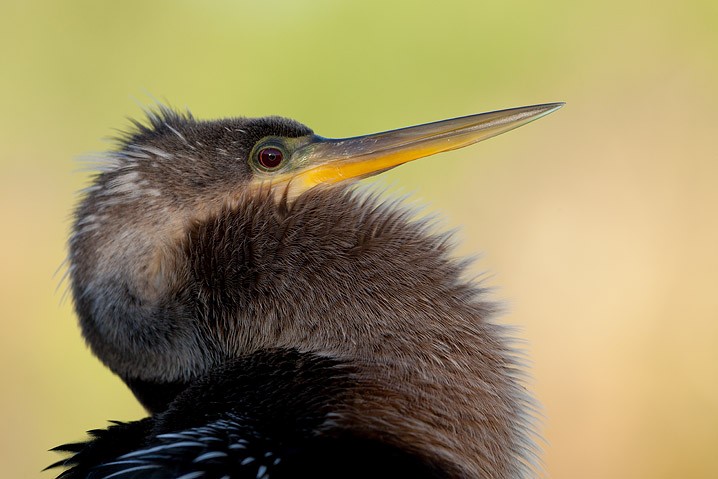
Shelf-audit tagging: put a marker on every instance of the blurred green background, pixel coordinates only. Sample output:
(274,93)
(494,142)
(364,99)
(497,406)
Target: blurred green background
(598,224)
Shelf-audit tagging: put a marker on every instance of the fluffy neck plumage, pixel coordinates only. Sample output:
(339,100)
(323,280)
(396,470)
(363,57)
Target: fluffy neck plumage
(343,275)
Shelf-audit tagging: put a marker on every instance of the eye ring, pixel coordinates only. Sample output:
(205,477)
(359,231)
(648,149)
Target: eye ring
(270,157)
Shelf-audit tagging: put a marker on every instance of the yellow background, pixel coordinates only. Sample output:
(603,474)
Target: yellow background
(598,224)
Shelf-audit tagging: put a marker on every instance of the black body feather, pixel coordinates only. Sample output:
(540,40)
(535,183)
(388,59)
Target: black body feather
(263,416)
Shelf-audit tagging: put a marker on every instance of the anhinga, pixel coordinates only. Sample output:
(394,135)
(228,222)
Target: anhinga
(277,323)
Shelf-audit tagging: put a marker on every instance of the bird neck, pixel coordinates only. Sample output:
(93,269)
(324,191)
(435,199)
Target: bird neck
(338,274)
(344,275)
(334,271)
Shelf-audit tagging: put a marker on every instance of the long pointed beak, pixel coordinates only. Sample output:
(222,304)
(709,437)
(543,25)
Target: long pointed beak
(326,160)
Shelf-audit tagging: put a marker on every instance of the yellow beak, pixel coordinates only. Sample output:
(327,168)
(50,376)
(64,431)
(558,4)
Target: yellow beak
(327,160)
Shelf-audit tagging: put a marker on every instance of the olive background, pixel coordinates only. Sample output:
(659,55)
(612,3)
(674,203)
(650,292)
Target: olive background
(597,225)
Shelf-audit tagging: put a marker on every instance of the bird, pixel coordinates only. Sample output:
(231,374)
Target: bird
(277,320)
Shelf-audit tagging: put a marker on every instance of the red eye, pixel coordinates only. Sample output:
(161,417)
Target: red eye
(270,158)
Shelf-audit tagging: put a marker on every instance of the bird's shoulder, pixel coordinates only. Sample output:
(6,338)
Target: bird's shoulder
(267,415)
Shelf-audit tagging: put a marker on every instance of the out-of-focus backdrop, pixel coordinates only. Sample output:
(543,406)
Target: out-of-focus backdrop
(598,224)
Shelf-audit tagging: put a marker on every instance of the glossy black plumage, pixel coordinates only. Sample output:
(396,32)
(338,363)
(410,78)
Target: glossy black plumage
(262,416)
